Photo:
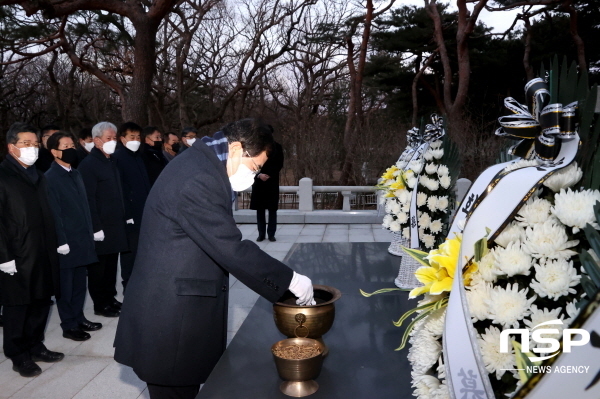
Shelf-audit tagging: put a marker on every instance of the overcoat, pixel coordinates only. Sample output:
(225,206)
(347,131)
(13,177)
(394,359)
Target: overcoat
(173,324)
(265,194)
(27,235)
(155,161)
(135,184)
(105,198)
(72,218)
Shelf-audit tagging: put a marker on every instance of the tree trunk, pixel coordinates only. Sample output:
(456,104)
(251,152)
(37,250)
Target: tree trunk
(579,45)
(527,52)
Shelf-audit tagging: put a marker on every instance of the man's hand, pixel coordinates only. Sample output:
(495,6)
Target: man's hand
(99,235)
(130,221)
(9,267)
(63,249)
(263,177)
(301,286)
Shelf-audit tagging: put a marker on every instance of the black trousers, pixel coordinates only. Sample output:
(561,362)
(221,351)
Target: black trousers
(169,392)
(24,327)
(262,222)
(102,280)
(72,297)
(128,258)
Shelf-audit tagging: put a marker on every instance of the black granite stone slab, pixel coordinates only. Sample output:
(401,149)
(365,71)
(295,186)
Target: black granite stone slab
(362,362)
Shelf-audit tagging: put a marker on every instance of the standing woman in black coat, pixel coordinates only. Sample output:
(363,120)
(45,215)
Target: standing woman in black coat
(265,193)
(105,198)
(68,201)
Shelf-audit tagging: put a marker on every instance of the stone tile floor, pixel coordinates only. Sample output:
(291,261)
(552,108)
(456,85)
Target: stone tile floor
(89,371)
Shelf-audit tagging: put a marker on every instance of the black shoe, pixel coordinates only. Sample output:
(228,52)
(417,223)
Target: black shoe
(272,239)
(259,239)
(47,356)
(76,334)
(89,326)
(27,369)
(116,304)
(107,311)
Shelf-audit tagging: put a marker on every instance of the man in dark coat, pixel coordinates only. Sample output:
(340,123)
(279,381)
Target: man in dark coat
(136,187)
(85,144)
(173,326)
(105,198)
(265,193)
(28,258)
(73,222)
(45,158)
(152,152)
(188,138)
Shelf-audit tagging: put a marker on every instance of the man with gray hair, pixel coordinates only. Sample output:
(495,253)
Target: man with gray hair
(103,187)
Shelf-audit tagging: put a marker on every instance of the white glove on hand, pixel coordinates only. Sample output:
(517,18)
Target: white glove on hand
(9,267)
(99,235)
(63,249)
(130,221)
(301,286)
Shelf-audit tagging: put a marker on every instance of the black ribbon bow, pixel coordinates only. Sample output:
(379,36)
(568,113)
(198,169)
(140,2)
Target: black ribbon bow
(539,124)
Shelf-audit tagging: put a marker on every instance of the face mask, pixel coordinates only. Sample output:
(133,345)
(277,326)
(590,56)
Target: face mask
(175,147)
(109,147)
(89,146)
(158,145)
(242,179)
(191,142)
(70,156)
(133,145)
(28,155)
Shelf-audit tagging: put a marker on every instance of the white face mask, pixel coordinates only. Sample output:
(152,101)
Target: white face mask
(89,146)
(28,155)
(109,147)
(191,142)
(242,179)
(133,145)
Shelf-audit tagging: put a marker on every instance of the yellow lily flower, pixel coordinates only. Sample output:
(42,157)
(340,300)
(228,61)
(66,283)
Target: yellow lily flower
(389,173)
(427,276)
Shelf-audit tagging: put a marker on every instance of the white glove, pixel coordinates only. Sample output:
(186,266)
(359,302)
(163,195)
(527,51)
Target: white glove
(130,221)
(301,286)
(99,235)
(9,267)
(63,249)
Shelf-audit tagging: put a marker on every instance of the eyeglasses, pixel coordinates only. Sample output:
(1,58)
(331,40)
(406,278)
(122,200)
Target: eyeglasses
(257,168)
(191,136)
(28,144)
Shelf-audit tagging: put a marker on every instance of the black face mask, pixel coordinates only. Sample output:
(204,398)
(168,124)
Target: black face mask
(175,147)
(158,145)
(70,156)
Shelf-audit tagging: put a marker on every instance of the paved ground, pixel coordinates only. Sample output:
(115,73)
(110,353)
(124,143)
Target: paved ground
(89,371)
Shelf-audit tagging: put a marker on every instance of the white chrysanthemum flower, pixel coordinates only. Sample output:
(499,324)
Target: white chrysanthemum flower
(401,164)
(424,351)
(401,217)
(508,306)
(445,181)
(428,155)
(539,316)
(411,181)
(564,178)
(424,220)
(421,199)
(443,171)
(403,196)
(425,386)
(536,210)
(548,240)
(437,154)
(387,219)
(436,144)
(395,226)
(432,203)
(477,297)
(522,163)
(576,208)
(435,322)
(555,278)
(428,240)
(442,203)
(405,208)
(395,207)
(487,266)
(436,226)
(441,369)
(512,232)
(409,173)
(495,362)
(406,232)
(442,392)
(512,260)
(572,312)
(416,166)
(432,184)
(431,168)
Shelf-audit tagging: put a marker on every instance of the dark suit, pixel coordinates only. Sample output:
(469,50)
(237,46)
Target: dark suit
(27,235)
(105,198)
(45,159)
(136,187)
(265,194)
(173,325)
(68,201)
(81,153)
(155,161)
